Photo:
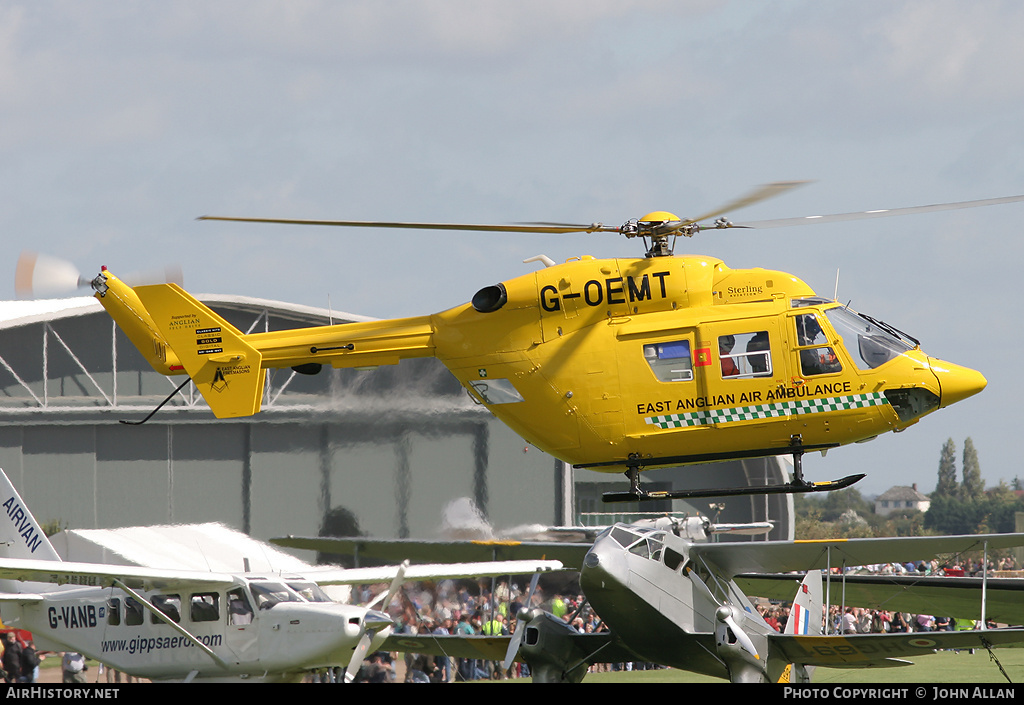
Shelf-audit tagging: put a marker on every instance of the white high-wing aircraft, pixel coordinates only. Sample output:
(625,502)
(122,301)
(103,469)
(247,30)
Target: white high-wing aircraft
(166,624)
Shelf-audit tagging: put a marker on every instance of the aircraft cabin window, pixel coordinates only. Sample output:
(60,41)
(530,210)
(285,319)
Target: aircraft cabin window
(170,605)
(238,607)
(133,612)
(745,355)
(113,611)
(204,607)
(671,361)
(815,358)
(674,559)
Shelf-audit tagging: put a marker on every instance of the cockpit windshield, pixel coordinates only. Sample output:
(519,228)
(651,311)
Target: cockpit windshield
(310,591)
(646,543)
(267,594)
(868,342)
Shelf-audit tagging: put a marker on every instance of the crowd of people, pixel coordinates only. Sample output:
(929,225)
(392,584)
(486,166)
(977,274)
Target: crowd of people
(464,609)
(455,608)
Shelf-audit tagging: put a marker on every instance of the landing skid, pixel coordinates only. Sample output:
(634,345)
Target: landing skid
(797,486)
(785,488)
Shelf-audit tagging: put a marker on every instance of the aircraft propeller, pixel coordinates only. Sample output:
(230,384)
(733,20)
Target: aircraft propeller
(725,615)
(374,621)
(517,635)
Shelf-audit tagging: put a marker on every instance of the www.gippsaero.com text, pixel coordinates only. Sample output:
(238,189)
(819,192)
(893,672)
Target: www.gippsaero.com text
(143,645)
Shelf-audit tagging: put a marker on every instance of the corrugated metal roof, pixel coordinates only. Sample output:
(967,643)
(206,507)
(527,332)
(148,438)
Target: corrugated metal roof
(18,313)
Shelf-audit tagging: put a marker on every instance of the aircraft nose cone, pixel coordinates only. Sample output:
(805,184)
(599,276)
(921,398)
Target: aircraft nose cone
(603,565)
(956,383)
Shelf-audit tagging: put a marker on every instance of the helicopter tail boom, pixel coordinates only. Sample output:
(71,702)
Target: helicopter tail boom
(178,334)
(131,316)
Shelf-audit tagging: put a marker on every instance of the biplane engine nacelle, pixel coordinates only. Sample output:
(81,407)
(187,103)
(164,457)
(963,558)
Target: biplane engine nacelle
(549,648)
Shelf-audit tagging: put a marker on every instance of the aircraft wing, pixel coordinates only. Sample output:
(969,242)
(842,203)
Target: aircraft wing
(872,650)
(785,556)
(104,575)
(489,648)
(493,648)
(437,571)
(437,551)
(951,597)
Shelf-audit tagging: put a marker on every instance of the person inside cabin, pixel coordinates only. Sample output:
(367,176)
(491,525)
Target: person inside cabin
(757,354)
(819,360)
(725,346)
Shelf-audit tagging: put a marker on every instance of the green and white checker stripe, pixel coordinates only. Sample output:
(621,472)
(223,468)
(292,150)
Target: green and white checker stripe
(767,411)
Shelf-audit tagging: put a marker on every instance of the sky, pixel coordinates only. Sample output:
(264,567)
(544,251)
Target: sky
(120,123)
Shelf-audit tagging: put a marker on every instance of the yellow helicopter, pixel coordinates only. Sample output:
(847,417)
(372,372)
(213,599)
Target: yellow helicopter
(615,365)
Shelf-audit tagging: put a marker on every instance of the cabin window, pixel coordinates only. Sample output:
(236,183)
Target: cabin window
(204,607)
(113,611)
(674,559)
(170,605)
(745,355)
(815,358)
(670,361)
(239,607)
(133,612)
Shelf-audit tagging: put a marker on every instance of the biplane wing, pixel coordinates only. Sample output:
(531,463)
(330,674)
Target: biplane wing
(438,551)
(881,650)
(437,571)
(952,597)
(493,648)
(785,556)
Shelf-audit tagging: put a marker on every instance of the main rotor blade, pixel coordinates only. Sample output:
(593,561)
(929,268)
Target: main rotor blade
(882,213)
(524,228)
(761,193)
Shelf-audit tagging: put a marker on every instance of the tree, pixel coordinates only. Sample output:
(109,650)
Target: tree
(947,485)
(973,486)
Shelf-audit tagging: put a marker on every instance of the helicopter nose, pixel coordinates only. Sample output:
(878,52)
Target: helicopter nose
(956,383)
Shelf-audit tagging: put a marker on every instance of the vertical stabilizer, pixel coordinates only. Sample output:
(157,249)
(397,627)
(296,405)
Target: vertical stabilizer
(226,370)
(21,536)
(806,616)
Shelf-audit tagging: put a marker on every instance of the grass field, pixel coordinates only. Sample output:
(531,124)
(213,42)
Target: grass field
(943,667)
